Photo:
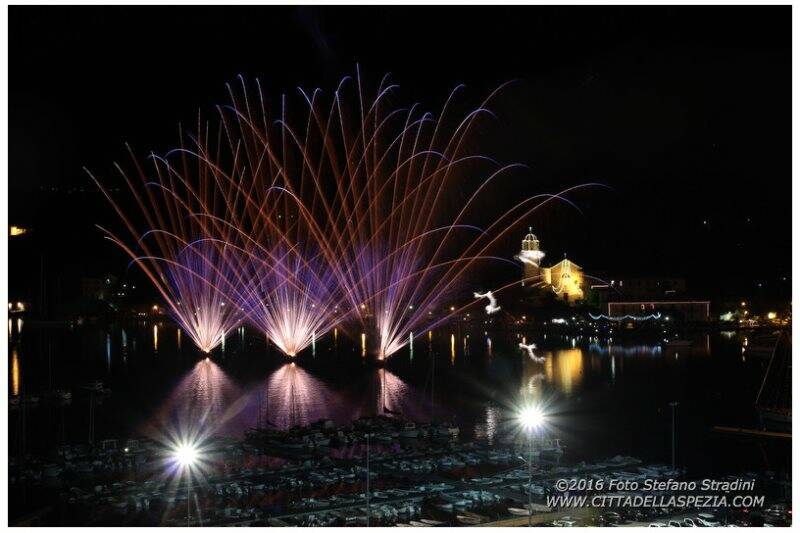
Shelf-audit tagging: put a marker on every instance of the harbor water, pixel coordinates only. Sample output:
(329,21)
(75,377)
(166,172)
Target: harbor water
(602,396)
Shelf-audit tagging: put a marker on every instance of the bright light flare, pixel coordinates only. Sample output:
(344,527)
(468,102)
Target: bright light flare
(531,417)
(186,455)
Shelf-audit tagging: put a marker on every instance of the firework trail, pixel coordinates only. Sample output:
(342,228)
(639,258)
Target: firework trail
(177,250)
(372,186)
(304,221)
(492,307)
(530,348)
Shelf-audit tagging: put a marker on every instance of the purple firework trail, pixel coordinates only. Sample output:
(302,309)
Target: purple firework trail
(353,210)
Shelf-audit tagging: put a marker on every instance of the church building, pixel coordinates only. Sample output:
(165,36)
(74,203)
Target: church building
(564,279)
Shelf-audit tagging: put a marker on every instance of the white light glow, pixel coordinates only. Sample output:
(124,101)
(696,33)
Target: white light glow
(531,417)
(492,307)
(186,455)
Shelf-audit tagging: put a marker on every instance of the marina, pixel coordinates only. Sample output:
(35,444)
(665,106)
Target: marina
(271,462)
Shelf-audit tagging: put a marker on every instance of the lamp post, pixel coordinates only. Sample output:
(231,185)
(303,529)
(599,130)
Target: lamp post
(368,509)
(186,456)
(531,418)
(673,405)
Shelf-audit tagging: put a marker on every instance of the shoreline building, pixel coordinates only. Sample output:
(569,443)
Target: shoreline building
(564,279)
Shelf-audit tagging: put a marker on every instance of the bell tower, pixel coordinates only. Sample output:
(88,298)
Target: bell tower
(530,256)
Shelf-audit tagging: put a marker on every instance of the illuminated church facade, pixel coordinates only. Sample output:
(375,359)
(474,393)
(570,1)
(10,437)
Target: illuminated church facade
(565,278)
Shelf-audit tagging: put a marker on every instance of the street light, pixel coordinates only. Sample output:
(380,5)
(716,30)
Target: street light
(673,405)
(531,418)
(186,455)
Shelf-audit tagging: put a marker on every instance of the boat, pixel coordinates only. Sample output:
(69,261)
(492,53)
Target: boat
(516,511)
(410,431)
(468,520)
(431,522)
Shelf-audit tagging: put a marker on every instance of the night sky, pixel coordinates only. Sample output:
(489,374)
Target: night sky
(685,112)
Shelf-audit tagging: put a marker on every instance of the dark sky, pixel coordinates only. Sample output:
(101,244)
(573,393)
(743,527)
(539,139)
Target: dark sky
(684,111)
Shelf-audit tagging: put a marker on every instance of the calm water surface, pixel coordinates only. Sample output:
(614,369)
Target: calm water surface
(603,398)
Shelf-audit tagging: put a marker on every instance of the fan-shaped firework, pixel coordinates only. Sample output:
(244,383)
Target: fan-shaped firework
(363,209)
(188,267)
(372,185)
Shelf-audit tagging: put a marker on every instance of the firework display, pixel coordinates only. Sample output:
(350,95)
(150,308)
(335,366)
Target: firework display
(340,211)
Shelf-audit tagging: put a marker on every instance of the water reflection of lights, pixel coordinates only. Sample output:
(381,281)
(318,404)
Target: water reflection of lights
(155,337)
(295,397)
(15,373)
(564,368)
(204,402)
(19,326)
(108,351)
(452,348)
(9,328)
(626,351)
(395,395)
(363,345)
(488,430)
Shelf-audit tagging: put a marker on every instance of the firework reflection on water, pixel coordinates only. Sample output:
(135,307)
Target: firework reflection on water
(205,402)
(293,397)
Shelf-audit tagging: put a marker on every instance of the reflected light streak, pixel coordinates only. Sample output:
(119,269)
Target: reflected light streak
(294,397)
(613,369)
(396,397)
(491,425)
(15,372)
(568,369)
(108,351)
(205,402)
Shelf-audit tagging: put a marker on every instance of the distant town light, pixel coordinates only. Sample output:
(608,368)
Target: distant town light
(772,315)
(15,231)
